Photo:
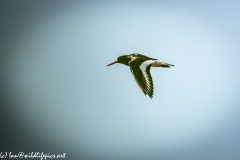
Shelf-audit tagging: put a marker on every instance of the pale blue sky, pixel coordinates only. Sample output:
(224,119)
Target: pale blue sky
(60,75)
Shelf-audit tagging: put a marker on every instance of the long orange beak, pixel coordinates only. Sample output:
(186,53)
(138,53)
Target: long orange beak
(112,63)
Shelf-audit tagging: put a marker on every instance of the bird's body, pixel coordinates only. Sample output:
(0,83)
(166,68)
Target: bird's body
(140,67)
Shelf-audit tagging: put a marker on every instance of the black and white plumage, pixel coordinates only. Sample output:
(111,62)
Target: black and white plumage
(140,67)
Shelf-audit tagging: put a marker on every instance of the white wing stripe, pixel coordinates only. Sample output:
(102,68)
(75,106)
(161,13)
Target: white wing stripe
(144,65)
(143,68)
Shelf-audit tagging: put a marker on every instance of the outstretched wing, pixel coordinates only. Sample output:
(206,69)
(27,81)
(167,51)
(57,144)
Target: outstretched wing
(141,72)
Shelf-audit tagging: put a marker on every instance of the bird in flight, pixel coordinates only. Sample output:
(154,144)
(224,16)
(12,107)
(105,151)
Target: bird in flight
(140,67)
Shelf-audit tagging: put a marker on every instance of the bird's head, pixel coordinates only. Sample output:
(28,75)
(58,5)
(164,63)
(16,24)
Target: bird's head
(121,59)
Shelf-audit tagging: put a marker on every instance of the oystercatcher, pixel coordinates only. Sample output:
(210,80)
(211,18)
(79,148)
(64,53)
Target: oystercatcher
(140,67)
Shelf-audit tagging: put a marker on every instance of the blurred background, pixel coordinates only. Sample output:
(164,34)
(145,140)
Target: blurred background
(58,96)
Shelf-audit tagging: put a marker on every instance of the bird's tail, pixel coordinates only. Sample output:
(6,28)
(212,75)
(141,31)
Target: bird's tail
(161,64)
(170,65)
(166,65)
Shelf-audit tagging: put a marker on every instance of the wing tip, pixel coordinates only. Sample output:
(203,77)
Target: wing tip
(151,96)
